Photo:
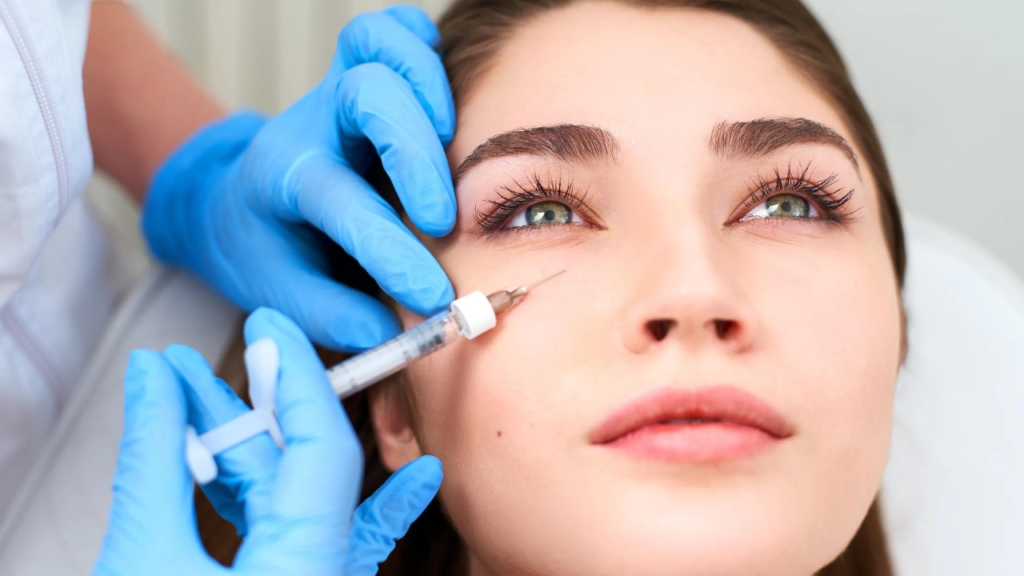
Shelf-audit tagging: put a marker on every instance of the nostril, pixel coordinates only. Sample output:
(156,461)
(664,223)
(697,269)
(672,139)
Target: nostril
(659,329)
(725,328)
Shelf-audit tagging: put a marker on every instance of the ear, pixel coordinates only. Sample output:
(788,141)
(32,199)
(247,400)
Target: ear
(392,423)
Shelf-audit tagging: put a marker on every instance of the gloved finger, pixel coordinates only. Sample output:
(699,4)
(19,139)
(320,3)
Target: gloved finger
(380,37)
(386,516)
(245,473)
(351,212)
(211,402)
(334,315)
(417,21)
(321,469)
(378,104)
(152,486)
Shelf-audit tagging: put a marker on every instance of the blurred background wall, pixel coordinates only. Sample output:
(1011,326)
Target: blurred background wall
(943,79)
(262,54)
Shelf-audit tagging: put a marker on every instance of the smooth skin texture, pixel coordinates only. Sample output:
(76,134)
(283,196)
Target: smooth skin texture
(127,75)
(813,310)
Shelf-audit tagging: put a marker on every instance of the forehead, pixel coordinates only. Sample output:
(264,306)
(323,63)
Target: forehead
(658,79)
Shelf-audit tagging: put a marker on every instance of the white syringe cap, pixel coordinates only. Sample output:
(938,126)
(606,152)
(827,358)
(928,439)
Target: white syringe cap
(475,313)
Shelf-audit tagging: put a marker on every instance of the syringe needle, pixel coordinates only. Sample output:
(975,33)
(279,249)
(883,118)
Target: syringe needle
(539,282)
(522,290)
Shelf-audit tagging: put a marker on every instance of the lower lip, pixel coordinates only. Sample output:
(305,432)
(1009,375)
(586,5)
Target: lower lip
(705,442)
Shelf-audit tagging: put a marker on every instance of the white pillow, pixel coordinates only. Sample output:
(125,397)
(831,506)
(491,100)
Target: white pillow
(952,498)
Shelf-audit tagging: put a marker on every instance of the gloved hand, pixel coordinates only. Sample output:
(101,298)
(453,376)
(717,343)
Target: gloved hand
(241,202)
(295,508)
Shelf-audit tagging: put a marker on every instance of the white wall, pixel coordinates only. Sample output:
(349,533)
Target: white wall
(944,82)
(262,54)
(943,79)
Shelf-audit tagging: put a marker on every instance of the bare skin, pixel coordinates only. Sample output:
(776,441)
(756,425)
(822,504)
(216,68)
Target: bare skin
(140,102)
(673,281)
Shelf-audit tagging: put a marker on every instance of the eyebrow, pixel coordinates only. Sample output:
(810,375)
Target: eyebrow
(763,136)
(579,143)
(573,143)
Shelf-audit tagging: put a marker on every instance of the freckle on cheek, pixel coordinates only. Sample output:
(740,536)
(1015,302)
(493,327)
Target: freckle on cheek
(499,433)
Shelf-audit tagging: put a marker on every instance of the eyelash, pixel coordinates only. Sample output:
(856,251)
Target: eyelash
(832,203)
(514,198)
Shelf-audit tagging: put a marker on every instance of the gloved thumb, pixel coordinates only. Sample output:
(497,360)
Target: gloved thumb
(317,484)
(152,486)
(386,516)
(322,463)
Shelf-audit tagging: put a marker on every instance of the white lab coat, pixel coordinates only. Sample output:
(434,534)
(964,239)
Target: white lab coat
(54,300)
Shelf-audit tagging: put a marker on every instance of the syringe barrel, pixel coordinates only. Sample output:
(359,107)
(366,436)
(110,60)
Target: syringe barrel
(372,366)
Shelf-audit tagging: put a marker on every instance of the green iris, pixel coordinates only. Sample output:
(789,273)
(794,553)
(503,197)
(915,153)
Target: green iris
(548,213)
(788,206)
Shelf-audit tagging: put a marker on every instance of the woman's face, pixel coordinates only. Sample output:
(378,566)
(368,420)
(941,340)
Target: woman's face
(708,387)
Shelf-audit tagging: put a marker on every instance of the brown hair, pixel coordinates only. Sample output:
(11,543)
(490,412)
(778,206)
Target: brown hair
(472,32)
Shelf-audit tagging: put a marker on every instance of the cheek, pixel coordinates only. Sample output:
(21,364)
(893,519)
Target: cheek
(832,324)
(851,345)
(503,411)
(833,316)
(521,376)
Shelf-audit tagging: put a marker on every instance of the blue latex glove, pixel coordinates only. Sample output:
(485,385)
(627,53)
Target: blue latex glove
(295,508)
(241,202)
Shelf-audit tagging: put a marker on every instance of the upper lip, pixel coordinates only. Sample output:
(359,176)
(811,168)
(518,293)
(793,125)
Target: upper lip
(721,403)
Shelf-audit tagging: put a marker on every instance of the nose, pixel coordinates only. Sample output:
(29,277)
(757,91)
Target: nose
(687,294)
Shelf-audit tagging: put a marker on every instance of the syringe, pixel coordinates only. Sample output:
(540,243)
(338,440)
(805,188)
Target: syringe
(469,316)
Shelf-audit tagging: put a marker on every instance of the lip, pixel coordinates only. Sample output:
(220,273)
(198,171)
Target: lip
(733,424)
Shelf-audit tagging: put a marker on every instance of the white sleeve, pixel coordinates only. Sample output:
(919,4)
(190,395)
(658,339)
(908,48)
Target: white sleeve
(45,157)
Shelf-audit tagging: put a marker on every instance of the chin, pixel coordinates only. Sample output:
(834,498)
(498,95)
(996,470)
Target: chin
(616,528)
(713,541)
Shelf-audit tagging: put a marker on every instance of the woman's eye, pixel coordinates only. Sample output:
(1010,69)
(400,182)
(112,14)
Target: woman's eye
(542,214)
(783,206)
